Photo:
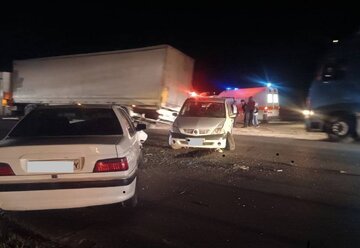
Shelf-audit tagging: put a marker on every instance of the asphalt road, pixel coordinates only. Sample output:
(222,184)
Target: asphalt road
(269,192)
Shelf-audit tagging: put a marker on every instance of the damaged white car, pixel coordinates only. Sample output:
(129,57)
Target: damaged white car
(204,122)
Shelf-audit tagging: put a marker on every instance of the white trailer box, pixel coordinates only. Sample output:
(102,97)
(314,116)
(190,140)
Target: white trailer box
(152,78)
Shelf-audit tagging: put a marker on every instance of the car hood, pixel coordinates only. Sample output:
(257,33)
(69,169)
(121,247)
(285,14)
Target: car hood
(198,122)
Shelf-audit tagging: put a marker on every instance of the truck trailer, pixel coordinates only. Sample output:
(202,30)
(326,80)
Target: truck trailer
(152,81)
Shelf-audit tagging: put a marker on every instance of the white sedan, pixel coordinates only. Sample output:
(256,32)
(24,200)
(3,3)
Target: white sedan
(70,156)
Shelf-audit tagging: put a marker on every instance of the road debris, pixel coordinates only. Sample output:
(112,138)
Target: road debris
(241,167)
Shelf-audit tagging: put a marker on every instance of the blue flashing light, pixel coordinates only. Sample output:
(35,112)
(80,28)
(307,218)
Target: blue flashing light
(228,88)
(268,85)
(236,88)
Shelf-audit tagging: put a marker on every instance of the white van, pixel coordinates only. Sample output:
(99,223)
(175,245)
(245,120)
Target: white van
(204,122)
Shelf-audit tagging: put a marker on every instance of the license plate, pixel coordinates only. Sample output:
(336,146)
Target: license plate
(195,142)
(50,166)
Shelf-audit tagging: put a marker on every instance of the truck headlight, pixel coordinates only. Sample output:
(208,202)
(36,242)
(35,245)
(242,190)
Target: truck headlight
(308,113)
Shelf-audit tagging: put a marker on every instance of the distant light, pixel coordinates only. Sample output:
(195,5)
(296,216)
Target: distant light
(228,88)
(134,106)
(268,85)
(193,94)
(236,88)
(335,41)
(79,104)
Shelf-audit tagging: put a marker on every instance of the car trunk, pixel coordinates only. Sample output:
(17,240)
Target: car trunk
(64,155)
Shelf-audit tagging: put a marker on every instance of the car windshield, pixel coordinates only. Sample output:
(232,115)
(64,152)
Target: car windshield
(203,109)
(68,122)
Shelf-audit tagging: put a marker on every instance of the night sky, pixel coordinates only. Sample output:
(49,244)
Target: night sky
(236,47)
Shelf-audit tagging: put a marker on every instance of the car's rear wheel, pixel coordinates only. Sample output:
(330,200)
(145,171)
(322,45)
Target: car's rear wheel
(133,201)
(230,142)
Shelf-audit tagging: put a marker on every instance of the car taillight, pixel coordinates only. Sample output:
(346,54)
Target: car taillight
(5,170)
(113,164)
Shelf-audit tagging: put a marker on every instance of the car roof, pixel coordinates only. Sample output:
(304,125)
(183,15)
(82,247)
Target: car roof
(101,106)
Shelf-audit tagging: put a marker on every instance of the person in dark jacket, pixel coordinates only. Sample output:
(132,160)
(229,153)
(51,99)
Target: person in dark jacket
(243,107)
(249,111)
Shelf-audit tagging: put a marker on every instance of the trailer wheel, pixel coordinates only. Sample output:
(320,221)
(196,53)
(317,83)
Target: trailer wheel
(341,129)
(230,142)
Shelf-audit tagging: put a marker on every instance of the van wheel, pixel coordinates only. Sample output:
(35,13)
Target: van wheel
(230,142)
(341,129)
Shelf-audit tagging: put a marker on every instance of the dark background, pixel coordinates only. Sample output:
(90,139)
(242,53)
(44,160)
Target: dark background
(232,47)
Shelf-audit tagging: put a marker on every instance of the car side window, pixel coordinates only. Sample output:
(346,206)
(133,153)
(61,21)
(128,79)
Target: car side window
(129,124)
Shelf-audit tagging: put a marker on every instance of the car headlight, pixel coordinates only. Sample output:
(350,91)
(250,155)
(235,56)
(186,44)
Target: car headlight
(219,129)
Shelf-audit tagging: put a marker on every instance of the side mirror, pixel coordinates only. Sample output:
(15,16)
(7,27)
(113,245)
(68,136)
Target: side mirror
(140,127)
(175,114)
(142,136)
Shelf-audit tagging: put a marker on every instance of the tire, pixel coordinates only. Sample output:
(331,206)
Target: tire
(341,129)
(133,201)
(230,142)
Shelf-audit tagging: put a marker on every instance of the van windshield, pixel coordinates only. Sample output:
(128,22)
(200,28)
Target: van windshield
(203,109)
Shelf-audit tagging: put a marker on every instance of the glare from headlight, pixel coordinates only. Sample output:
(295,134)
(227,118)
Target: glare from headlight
(307,112)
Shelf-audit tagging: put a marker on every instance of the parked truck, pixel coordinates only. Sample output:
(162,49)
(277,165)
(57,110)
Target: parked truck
(334,96)
(152,81)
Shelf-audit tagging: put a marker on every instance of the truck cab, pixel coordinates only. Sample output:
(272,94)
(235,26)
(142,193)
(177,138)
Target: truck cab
(334,96)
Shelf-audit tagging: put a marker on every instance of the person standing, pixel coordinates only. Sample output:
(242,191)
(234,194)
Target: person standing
(250,111)
(244,110)
(256,112)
